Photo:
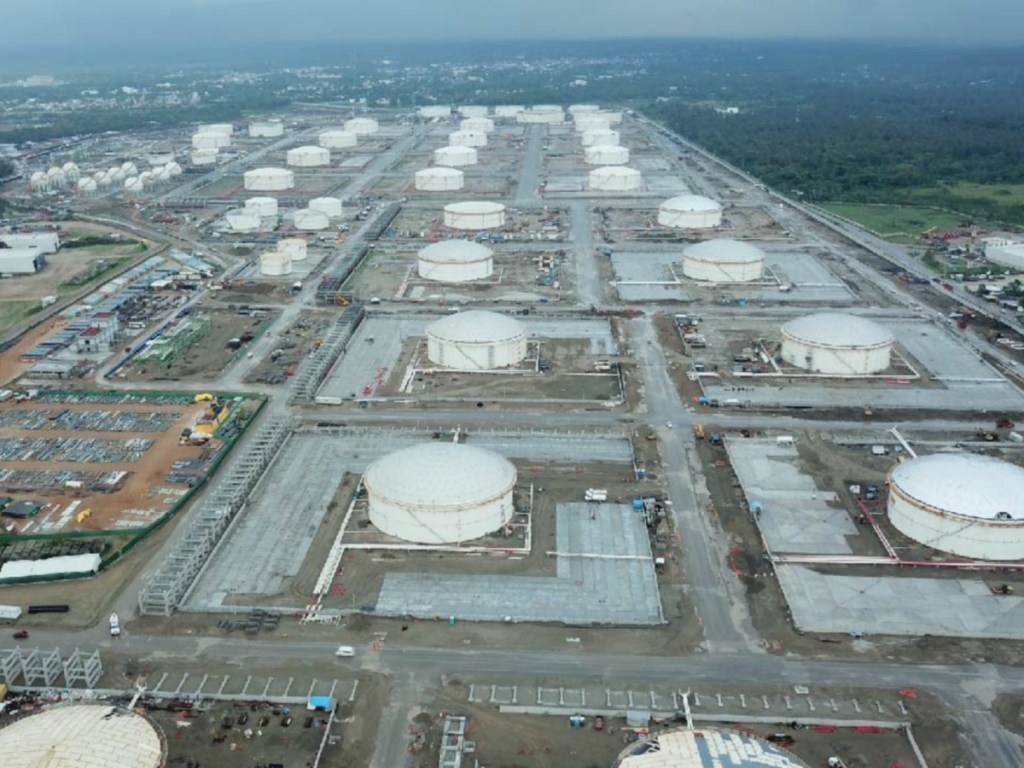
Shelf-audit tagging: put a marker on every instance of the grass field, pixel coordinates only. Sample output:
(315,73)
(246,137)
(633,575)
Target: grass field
(1001,202)
(899,223)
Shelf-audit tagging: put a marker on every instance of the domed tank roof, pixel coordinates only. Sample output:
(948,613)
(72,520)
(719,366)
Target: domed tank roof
(476,327)
(725,251)
(456,252)
(691,203)
(440,476)
(966,484)
(838,329)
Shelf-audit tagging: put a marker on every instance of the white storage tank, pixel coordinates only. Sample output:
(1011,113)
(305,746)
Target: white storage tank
(440,493)
(479,124)
(224,129)
(264,207)
(455,261)
(467,139)
(210,141)
(129,169)
(275,264)
(328,205)
(435,112)
(613,118)
(473,110)
(269,179)
(508,110)
(544,116)
(582,109)
(266,129)
(71,172)
(476,340)
(599,136)
(308,157)
(242,220)
(961,503)
(690,212)
(474,215)
(591,123)
(362,126)
(174,168)
(606,154)
(295,248)
(87,186)
(706,748)
(455,157)
(82,735)
(204,157)
(308,220)
(336,139)
(439,179)
(616,178)
(838,344)
(723,261)
(160,158)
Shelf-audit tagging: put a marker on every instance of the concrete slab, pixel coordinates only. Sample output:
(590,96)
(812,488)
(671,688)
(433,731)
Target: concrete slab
(893,605)
(611,579)
(795,517)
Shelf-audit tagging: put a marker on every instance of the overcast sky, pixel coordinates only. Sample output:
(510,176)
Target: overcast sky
(96,23)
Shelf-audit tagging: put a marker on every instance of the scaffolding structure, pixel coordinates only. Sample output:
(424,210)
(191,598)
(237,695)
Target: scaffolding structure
(169,586)
(314,368)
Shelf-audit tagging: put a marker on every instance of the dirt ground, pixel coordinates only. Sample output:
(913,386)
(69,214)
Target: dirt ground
(145,495)
(640,224)
(209,354)
(537,740)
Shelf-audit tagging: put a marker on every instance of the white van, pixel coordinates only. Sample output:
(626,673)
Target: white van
(345,650)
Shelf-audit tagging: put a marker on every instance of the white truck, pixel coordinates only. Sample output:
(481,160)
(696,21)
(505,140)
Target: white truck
(596,494)
(115,625)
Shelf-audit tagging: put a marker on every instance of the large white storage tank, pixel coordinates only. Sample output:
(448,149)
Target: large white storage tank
(706,748)
(308,220)
(582,109)
(600,136)
(967,505)
(338,139)
(838,344)
(473,110)
(210,141)
(591,123)
(224,129)
(308,157)
(616,178)
(440,493)
(269,179)
(508,110)
(71,172)
(242,220)
(690,212)
(264,207)
(83,735)
(438,179)
(204,157)
(723,261)
(474,215)
(481,124)
(275,264)
(266,129)
(614,118)
(477,340)
(435,112)
(546,116)
(606,154)
(328,205)
(455,261)
(295,248)
(467,139)
(455,157)
(362,126)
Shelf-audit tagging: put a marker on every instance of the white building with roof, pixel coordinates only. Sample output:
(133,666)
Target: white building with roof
(961,503)
(440,493)
(455,261)
(477,340)
(723,261)
(44,242)
(474,215)
(690,212)
(837,344)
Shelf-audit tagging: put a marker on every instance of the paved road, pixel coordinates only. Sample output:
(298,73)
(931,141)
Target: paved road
(588,277)
(529,171)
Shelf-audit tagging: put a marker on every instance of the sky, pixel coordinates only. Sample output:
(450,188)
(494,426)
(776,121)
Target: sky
(94,24)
